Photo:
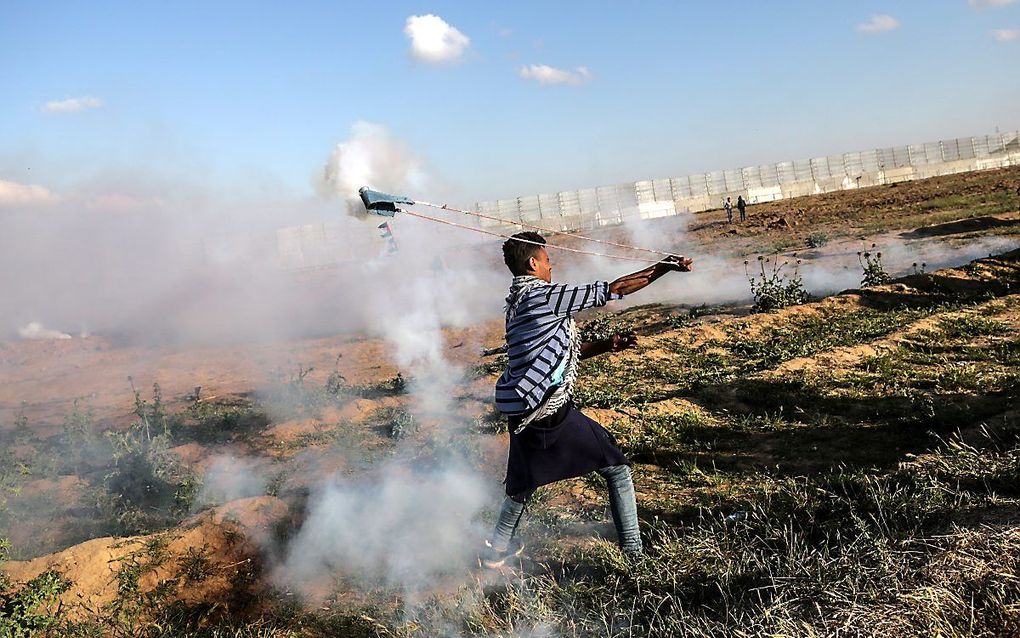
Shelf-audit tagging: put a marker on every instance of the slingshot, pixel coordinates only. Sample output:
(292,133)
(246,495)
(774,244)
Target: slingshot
(389,205)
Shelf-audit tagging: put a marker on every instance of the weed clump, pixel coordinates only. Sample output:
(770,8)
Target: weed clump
(21,615)
(772,289)
(603,327)
(496,365)
(817,240)
(874,272)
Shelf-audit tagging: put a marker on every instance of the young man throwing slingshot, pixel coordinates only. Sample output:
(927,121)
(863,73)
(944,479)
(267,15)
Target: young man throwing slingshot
(550,440)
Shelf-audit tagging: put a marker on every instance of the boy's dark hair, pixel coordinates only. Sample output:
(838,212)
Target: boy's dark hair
(517,253)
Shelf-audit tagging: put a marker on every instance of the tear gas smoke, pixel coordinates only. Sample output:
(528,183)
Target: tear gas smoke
(158,263)
(402,527)
(370,157)
(229,478)
(35,330)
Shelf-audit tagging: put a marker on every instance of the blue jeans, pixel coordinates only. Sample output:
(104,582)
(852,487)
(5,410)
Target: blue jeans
(622,502)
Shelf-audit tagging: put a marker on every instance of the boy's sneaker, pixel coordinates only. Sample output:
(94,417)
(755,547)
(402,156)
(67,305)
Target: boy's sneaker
(492,559)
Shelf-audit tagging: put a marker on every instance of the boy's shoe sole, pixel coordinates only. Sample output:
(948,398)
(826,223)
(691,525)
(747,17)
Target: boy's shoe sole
(499,561)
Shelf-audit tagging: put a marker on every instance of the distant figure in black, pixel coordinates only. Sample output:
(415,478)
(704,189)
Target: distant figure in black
(741,206)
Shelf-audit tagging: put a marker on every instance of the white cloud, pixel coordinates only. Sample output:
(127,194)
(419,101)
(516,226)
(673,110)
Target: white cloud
(982,4)
(879,23)
(15,194)
(1006,35)
(547,75)
(74,104)
(433,40)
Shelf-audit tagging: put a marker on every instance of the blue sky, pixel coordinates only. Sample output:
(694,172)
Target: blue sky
(237,97)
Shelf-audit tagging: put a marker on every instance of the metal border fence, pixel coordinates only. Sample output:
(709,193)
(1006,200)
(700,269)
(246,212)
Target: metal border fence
(609,205)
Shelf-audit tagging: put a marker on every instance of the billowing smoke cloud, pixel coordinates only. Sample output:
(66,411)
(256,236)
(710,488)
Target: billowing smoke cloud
(146,261)
(36,330)
(371,157)
(401,527)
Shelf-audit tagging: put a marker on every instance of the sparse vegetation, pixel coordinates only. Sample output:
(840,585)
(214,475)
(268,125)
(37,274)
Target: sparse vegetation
(495,365)
(772,289)
(874,272)
(817,240)
(603,327)
(24,612)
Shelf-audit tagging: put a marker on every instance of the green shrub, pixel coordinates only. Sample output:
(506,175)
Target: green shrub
(603,327)
(20,615)
(817,240)
(772,289)
(874,272)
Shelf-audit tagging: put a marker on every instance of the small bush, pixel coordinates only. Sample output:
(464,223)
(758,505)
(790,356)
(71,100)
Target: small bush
(20,615)
(772,289)
(402,424)
(145,487)
(336,384)
(817,240)
(874,272)
(603,327)
(496,365)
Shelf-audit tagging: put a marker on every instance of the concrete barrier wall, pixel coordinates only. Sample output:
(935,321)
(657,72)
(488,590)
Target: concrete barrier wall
(646,199)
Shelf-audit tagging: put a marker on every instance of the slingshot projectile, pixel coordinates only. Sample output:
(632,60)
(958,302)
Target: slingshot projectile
(382,203)
(386,205)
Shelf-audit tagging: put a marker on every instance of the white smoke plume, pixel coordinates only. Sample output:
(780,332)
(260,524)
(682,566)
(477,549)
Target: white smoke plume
(371,157)
(229,478)
(400,527)
(37,331)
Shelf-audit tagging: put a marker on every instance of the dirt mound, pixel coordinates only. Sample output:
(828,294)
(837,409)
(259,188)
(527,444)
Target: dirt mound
(972,225)
(211,560)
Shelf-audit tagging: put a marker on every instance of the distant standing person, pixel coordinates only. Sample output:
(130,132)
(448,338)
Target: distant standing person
(741,206)
(1018,197)
(729,211)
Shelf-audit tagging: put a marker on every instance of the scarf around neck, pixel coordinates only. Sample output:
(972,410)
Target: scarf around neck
(519,288)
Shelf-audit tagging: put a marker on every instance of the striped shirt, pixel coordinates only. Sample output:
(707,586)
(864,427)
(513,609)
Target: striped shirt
(538,340)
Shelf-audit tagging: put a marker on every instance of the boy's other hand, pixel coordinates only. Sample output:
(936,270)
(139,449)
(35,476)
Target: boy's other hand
(622,341)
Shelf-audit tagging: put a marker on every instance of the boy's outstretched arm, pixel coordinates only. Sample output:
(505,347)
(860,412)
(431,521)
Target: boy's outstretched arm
(629,284)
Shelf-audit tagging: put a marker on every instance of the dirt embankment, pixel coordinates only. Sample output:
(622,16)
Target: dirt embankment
(214,558)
